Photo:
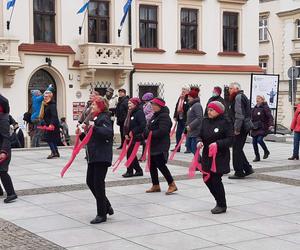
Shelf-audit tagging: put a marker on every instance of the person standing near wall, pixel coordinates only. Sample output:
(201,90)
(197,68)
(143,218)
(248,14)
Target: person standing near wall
(121,112)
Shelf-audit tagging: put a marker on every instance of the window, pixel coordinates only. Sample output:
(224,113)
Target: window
(297,64)
(189,28)
(263,65)
(98,21)
(263,29)
(44,20)
(148,88)
(298,28)
(230,32)
(148,26)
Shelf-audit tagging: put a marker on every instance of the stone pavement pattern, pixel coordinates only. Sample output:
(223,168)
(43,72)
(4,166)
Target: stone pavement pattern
(261,214)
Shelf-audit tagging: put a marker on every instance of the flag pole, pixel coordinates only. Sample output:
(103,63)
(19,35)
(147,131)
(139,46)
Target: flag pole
(80,27)
(11,14)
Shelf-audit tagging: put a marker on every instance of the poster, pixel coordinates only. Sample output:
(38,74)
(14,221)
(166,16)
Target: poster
(78,108)
(267,86)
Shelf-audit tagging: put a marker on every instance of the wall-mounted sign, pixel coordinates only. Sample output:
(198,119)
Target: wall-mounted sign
(78,108)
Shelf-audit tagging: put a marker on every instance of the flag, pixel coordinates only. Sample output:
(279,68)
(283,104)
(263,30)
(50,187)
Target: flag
(125,10)
(10,4)
(83,8)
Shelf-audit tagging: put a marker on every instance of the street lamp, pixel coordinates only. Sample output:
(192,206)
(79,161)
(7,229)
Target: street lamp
(273,51)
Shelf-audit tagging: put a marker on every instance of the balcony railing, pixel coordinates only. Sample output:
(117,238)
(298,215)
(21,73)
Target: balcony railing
(109,56)
(9,55)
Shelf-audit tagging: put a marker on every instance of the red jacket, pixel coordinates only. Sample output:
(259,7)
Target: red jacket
(295,126)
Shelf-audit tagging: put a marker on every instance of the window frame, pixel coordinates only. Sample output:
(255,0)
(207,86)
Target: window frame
(263,28)
(44,13)
(236,29)
(297,65)
(297,26)
(99,19)
(190,9)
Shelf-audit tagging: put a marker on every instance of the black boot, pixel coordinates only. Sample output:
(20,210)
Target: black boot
(257,158)
(57,154)
(98,219)
(218,210)
(127,175)
(110,211)
(266,155)
(138,173)
(1,191)
(10,198)
(293,158)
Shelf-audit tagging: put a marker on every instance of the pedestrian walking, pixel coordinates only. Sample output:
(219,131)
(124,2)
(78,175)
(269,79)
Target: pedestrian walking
(5,152)
(295,127)
(160,127)
(263,123)
(134,127)
(121,112)
(180,115)
(216,96)
(99,157)
(194,118)
(49,118)
(240,115)
(216,131)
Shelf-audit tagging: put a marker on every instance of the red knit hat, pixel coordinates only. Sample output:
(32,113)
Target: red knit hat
(218,90)
(217,106)
(135,100)
(194,93)
(101,104)
(159,101)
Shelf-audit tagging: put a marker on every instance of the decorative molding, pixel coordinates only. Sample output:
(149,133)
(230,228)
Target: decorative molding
(9,73)
(87,77)
(190,52)
(120,77)
(233,1)
(264,14)
(295,56)
(237,54)
(289,13)
(264,57)
(149,50)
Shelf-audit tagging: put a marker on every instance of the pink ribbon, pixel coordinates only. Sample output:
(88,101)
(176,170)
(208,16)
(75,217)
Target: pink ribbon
(46,128)
(173,130)
(148,152)
(123,153)
(133,154)
(76,150)
(177,147)
(213,150)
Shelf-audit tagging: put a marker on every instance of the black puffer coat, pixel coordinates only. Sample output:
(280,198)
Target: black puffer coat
(262,120)
(99,148)
(122,109)
(51,117)
(137,124)
(160,125)
(4,141)
(217,130)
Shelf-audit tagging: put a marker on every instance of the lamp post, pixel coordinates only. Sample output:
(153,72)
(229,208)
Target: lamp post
(273,51)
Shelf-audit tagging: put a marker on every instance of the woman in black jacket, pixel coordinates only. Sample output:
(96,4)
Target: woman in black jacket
(216,132)
(263,122)
(134,126)
(160,126)
(99,158)
(5,152)
(49,117)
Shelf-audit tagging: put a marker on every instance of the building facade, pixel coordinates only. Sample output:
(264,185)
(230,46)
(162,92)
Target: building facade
(279,24)
(163,45)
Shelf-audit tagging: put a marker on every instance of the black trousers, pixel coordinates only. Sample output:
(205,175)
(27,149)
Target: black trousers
(122,134)
(135,164)
(95,179)
(240,162)
(216,188)
(159,162)
(7,183)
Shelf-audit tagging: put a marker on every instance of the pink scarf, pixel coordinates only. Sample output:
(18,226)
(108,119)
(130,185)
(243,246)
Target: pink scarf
(177,147)
(173,130)
(123,153)
(148,152)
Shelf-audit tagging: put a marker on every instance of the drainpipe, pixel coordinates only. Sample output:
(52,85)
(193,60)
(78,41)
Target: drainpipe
(130,43)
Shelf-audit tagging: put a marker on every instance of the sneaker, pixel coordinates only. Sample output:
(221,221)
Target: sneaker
(218,210)
(98,219)
(10,198)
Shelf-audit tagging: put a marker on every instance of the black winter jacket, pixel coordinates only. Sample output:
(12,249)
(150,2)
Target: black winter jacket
(51,117)
(4,141)
(99,148)
(137,124)
(217,130)
(160,125)
(262,120)
(122,109)
(185,109)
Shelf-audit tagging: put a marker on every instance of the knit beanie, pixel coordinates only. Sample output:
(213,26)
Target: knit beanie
(135,100)
(217,106)
(159,101)
(147,96)
(218,90)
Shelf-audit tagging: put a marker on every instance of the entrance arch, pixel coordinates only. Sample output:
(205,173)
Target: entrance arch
(41,79)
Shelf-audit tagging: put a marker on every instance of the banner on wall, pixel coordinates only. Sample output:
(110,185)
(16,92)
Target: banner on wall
(267,86)
(78,108)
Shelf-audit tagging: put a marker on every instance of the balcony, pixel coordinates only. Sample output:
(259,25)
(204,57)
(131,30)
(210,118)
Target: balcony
(105,56)
(9,60)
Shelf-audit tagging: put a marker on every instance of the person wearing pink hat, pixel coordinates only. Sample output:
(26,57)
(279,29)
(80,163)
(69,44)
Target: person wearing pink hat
(217,132)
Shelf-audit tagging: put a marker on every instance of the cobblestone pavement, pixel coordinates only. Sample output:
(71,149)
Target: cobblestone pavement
(55,212)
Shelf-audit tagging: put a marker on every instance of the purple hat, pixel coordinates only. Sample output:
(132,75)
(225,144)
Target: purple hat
(147,96)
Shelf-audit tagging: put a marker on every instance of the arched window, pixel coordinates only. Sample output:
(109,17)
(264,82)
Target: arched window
(44,20)
(298,28)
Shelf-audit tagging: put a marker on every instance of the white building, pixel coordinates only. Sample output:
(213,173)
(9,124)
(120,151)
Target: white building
(174,43)
(282,19)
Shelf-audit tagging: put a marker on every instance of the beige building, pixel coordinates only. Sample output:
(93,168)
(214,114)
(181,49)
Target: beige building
(281,20)
(164,45)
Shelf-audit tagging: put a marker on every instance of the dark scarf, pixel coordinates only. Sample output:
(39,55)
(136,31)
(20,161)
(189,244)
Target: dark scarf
(127,121)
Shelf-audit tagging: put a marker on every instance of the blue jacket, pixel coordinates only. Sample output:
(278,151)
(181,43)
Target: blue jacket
(36,106)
